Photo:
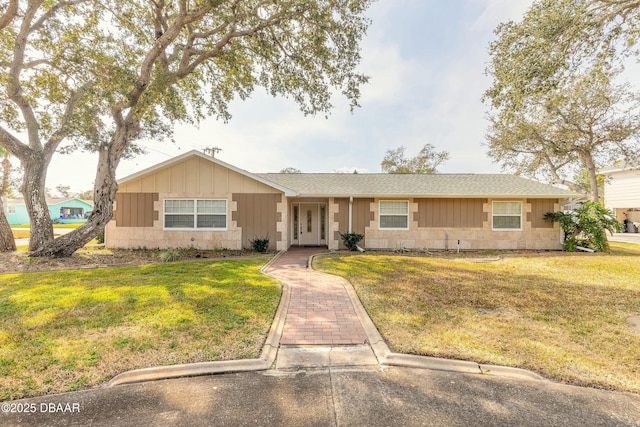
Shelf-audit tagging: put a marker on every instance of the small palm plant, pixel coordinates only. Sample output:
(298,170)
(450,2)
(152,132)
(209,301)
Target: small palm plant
(586,226)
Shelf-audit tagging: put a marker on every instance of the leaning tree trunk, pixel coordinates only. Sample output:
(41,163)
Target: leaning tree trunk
(33,190)
(7,243)
(105,188)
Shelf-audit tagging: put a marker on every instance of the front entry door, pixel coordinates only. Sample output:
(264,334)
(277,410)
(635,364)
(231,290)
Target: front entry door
(309,224)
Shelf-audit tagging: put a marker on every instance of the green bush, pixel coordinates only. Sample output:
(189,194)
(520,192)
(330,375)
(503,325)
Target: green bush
(100,237)
(586,226)
(351,240)
(260,244)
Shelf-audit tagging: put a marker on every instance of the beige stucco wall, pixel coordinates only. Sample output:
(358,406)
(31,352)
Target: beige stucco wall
(283,225)
(447,238)
(333,226)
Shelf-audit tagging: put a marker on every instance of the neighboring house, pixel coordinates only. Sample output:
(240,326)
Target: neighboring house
(64,210)
(622,191)
(197,200)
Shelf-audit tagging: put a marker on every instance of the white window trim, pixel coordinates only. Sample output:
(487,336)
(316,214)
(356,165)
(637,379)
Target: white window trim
(493,214)
(380,215)
(195,214)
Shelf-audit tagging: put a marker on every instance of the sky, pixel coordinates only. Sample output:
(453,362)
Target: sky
(426,62)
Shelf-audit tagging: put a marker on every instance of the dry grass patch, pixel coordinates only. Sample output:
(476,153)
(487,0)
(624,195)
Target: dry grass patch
(67,330)
(563,316)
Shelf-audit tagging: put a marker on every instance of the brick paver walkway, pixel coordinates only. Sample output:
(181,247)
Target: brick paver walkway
(320,311)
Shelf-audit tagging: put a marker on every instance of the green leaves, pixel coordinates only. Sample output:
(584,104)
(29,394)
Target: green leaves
(427,160)
(586,225)
(556,109)
(100,74)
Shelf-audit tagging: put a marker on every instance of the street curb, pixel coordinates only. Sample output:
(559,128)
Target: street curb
(388,358)
(265,362)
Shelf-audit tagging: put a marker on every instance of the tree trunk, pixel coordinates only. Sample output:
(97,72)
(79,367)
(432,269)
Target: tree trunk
(33,190)
(593,176)
(7,243)
(104,193)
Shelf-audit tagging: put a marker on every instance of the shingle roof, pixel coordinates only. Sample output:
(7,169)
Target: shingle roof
(414,185)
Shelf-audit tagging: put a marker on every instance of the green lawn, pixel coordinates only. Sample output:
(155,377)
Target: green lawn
(561,315)
(67,330)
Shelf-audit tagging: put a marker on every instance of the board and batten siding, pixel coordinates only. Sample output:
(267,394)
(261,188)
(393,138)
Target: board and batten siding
(135,209)
(257,215)
(361,217)
(540,207)
(195,177)
(450,213)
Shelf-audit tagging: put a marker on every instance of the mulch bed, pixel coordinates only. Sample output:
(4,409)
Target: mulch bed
(21,262)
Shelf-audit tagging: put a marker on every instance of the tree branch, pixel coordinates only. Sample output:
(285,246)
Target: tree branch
(51,12)
(12,11)
(13,144)
(65,129)
(14,88)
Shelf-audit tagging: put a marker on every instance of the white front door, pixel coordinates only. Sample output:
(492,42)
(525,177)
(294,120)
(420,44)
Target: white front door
(309,224)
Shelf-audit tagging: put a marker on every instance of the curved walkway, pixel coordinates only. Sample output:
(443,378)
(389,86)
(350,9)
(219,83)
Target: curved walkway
(327,325)
(320,311)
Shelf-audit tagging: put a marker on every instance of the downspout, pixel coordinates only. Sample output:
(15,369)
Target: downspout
(350,213)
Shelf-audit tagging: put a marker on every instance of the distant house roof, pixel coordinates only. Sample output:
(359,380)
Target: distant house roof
(619,167)
(415,185)
(61,201)
(51,201)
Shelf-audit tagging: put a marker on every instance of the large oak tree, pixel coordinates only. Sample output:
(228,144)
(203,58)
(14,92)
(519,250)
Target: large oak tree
(100,74)
(556,111)
(569,134)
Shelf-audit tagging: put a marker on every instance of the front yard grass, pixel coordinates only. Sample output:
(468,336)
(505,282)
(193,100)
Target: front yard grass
(67,330)
(561,315)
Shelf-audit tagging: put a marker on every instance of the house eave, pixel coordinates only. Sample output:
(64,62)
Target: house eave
(437,196)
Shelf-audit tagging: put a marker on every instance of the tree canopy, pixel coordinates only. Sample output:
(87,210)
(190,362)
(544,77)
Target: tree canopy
(427,160)
(556,40)
(101,74)
(558,110)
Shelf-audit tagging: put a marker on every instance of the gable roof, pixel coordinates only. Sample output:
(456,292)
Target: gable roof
(383,184)
(52,201)
(195,153)
(414,185)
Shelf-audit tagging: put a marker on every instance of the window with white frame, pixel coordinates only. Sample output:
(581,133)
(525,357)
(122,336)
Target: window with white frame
(394,215)
(507,215)
(195,213)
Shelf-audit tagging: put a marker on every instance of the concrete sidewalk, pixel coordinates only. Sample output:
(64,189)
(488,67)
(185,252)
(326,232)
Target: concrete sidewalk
(324,363)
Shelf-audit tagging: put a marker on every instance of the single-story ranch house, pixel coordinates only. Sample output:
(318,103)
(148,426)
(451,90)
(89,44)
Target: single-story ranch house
(61,210)
(197,200)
